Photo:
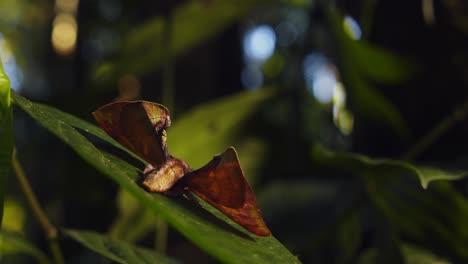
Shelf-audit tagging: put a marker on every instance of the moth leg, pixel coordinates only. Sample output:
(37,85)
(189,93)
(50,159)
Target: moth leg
(190,196)
(148,170)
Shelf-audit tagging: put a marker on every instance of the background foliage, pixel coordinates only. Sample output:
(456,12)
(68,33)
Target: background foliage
(349,118)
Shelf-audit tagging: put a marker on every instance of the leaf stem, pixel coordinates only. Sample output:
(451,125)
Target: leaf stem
(49,230)
(434,134)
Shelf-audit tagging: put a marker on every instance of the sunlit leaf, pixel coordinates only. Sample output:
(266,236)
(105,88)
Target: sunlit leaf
(15,243)
(363,165)
(118,251)
(6,135)
(223,239)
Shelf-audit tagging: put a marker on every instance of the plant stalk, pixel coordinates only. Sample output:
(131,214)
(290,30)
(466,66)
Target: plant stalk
(49,230)
(460,114)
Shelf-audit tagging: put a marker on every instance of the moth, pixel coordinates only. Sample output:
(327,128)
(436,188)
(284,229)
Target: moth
(141,126)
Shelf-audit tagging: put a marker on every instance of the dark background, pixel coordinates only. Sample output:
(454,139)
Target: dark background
(334,221)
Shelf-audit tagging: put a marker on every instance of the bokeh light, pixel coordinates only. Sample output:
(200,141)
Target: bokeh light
(259,43)
(68,6)
(352,28)
(12,70)
(64,34)
(319,77)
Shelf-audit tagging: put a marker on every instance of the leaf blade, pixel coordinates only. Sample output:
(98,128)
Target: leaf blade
(14,243)
(6,135)
(361,164)
(222,242)
(115,250)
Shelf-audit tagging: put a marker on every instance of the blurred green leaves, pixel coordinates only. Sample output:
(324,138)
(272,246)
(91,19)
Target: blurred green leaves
(362,64)
(6,135)
(368,167)
(194,23)
(224,239)
(13,243)
(118,251)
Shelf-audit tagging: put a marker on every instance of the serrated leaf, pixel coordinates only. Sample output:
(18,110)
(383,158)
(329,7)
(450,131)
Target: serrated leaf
(363,165)
(115,250)
(6,135)
(228,243)
(15,243)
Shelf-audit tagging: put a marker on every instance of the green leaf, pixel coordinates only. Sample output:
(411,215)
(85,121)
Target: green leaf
(363,63)
(411,255)
(379,64)
(115,250)
(416,255)
(15,243)
(228,243)
(363,165)
(6,135)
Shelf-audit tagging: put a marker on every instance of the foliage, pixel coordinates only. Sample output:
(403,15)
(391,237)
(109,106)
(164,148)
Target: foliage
(389,189)
(6,135)
(228,243)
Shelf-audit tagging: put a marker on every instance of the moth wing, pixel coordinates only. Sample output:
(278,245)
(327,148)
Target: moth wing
(139,126)
(222,184)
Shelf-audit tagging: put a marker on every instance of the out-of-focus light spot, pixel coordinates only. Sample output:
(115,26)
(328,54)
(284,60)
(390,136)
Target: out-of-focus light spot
(324,84)
(69,6)
(14,216)
(345,121)
(342,117)
(319,77)
(428,12)
(64,34)
(252,78)
(351,27)
(110,9)
(259,43)
(14,73)
(129,88)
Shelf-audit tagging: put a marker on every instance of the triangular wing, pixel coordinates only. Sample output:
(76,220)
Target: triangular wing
(222,184)
(139,126)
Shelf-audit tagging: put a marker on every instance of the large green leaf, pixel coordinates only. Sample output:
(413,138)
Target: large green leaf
(6,135)
(363,165)
(115,250)
(15,243)
(224,239)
